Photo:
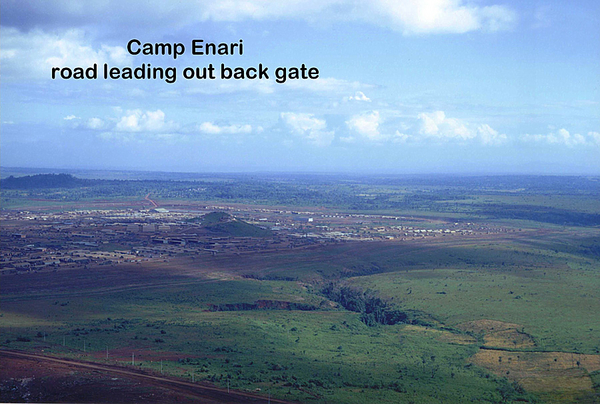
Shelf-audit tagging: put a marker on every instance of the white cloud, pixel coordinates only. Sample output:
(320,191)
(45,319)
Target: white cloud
(95,123)
(429,122)
(301,123)
(135,125)
(212,129)
(438,125)
(400,137)
(366,125)
(438,16)
(76,122)
(563,137)
(308,127)
(490,136)
(431,127)
(33,54)
(139,125)
(358,96)
(149,121)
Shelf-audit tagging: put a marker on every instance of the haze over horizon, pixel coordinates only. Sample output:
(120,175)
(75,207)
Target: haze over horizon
(435,86)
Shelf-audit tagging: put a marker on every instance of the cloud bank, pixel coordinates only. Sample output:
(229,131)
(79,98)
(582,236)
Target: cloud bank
(410,17)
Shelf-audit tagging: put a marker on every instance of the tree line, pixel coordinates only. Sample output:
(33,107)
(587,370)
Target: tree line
(372,309)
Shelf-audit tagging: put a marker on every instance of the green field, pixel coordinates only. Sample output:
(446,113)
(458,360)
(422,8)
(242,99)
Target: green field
(505,317)
(327,355)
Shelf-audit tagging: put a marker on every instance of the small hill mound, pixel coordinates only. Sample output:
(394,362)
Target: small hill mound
(215,218)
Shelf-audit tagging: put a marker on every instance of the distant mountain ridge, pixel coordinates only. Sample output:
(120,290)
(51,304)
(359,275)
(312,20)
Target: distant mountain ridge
(45,181)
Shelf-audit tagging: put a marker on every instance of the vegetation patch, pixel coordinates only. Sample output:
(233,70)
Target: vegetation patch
(442,335)
(262,305)
(372,309)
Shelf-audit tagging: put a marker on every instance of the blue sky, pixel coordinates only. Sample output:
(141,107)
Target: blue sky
(406,86)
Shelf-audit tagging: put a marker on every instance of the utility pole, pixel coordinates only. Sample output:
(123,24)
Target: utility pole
(132,359)
(107,352)
(161,371)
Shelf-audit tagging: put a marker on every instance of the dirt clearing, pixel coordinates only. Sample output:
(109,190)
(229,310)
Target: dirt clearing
(36,378)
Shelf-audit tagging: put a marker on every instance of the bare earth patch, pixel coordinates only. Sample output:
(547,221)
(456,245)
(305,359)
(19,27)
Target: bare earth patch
(499,334)
(565,376)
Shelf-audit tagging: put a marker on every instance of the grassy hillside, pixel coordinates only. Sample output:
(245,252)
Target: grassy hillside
(224,224)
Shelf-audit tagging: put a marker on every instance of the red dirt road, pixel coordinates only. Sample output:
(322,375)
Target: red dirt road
(38,378)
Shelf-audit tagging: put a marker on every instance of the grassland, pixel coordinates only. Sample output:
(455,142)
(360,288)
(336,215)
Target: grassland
(503,317)
(556,301)
(538,299)
(323,356)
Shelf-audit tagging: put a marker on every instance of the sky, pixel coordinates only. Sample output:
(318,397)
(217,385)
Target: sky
(405,86)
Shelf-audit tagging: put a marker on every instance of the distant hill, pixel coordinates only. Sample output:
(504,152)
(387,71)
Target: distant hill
(224,224)
(43,181)
(215,217)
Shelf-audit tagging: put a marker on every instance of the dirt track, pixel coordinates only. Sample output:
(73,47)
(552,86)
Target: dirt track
(96,383)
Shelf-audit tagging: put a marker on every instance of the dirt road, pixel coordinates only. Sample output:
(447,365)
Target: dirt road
(21,370)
